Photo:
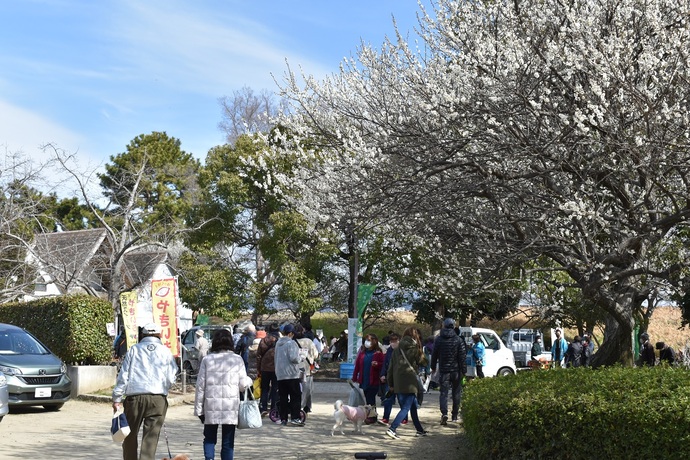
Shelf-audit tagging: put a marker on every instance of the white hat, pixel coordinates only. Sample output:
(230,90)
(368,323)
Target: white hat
(152,328)
(200,332)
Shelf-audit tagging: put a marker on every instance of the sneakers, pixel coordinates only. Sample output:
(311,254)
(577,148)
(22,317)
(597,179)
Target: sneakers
(421,434)
(264,413)
(444,420)
(455,420)
(296,422)
(392,434)
(404,422)
(382,421)
(283,423)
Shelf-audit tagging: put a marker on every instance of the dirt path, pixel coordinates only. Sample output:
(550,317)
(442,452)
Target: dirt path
(81,431)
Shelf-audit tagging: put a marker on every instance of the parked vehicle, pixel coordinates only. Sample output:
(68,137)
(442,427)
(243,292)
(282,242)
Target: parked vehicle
(35,376)
(4,397)
(190,355)
(498,358)
(521,340)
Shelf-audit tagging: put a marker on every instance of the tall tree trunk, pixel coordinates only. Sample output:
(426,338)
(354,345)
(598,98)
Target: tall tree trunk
(617,346)
(353,261)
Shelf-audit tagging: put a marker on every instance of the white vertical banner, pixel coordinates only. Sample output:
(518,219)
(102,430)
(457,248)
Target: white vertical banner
(354,339)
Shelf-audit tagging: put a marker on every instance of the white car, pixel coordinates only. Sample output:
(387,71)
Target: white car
(498,359)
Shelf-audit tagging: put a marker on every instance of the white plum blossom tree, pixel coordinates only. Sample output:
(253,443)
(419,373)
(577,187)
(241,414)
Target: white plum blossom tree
(515,130)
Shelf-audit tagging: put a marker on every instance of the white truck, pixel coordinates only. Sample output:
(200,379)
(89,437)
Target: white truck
(520,341)
(498,359)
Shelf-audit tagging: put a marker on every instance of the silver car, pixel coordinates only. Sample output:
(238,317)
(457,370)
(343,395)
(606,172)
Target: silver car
(4,397)
(35,376)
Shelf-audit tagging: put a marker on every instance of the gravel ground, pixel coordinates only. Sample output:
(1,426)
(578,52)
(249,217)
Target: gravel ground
(80,430)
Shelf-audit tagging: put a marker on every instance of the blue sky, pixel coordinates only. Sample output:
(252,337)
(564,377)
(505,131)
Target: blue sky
(91,75)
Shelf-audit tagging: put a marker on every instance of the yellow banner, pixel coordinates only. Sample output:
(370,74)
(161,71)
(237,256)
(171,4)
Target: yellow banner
(163,295)
(128,307)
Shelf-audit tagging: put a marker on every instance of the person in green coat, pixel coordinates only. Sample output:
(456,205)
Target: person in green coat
(402,379)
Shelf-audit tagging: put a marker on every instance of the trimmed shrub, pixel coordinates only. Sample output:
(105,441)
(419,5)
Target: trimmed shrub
(73,327)
(578,413)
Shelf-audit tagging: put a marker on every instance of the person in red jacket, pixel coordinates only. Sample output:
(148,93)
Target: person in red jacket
(367,370)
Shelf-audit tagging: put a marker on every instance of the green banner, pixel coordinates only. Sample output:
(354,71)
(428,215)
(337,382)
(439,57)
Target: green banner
(364,293)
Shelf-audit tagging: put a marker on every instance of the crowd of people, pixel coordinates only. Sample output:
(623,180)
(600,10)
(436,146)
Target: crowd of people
(399,368)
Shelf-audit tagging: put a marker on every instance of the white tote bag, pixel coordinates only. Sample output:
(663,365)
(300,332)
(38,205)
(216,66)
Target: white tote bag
(249,415)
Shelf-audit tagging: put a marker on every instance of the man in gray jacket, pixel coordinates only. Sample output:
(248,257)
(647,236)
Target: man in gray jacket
(148,371)
(287,360)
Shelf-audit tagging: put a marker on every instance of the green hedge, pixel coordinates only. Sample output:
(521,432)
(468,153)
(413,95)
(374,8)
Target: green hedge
(580,413)
(73,327)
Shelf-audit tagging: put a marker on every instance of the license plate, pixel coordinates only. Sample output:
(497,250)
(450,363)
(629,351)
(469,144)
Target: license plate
(42,393)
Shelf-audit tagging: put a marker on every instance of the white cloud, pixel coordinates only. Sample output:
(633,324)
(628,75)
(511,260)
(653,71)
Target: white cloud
(180,44)
(24,131)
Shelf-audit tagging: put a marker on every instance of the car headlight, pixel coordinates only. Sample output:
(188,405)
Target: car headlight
(10,370)
(3,380)
(63,368)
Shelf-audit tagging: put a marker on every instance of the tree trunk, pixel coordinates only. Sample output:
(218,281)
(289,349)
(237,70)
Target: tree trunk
(617,346)
(353,261)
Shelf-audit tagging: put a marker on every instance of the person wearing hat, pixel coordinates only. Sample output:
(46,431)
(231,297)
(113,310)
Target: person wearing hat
(647,355)
(559,349)
(448,356)
(287,361)
(148,371)
(202,346)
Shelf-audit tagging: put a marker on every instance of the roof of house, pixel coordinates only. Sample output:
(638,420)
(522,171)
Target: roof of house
(140,266)
(68,253)
(77,254)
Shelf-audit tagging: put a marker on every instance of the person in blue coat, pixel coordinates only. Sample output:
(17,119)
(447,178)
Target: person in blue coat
(478,355)
(559,349)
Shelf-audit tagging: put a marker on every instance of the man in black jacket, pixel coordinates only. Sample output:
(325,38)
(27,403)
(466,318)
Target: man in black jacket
(449,354)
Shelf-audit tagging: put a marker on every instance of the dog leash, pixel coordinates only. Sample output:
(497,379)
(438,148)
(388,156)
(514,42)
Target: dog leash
(165,432)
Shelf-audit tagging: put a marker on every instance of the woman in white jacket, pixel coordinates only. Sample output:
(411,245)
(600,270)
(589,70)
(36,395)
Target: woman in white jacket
(221,378)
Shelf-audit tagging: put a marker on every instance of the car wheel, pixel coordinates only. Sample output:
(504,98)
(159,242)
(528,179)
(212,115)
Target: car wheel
(1,416)
(53,407)
(505,371)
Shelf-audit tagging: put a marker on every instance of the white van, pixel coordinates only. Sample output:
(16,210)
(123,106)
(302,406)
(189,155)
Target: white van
(498,359)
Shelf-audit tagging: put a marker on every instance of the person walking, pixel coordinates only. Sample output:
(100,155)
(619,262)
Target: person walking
(265,365)
(147,373)
(202,346)
(449,357)
(287,362)
(478,354)
(367,371)
(388,397)
(221,378)
(402,380)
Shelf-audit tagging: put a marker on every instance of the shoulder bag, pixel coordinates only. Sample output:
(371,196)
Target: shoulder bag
(420,384)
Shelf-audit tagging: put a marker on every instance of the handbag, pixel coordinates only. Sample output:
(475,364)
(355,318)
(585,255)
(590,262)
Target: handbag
(249,413)
(357,397)
(420,384)
(256,388)
(119,427)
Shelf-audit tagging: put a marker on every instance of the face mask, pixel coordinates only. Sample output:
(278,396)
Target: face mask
(394,345)
(367,343)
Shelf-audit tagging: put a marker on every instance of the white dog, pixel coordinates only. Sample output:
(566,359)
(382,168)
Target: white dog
(356,415)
